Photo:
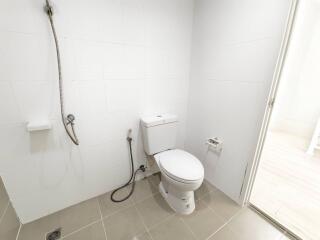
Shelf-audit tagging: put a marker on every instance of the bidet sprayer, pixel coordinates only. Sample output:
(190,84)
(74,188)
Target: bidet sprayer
(129,135)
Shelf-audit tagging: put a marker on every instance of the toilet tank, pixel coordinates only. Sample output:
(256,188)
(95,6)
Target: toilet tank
(159,133)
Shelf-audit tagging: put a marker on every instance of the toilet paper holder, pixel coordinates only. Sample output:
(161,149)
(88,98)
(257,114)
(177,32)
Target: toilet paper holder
(215,143)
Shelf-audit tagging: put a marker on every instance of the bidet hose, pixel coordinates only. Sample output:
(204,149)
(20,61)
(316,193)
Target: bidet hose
(65,120)
(132,177)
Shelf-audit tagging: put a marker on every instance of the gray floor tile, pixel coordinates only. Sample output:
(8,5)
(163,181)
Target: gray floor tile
(203,221)
(204,189)
(92,232)
(171,229)
(69,219)
(108,207)
(37,230)
(9,225)
(225,234)
(144,236)
(124,225)
(4,199)
(250,226)
(154,209)
(143,189)
(221,204)
(79,215)
(128,221)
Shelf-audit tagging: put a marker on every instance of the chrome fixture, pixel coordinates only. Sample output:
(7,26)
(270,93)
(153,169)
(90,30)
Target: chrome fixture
(69,120)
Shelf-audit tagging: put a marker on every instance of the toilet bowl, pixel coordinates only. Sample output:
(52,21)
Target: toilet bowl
(181,172)
(181,175)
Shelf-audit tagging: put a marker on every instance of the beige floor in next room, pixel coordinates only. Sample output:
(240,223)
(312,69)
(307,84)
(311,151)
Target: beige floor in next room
(146,216)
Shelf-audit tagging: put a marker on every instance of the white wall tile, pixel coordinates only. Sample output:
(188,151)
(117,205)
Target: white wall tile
(26,58)
(78,18)
(123,95)
(238,128)
(134,62)
(235,49)
(133,21)
(160,17)
(35,100)
(111,26)
(88,58)
(12,137)
(234,62)
(107,48)
(113,61)
(10,112)
(156,64)
(9,20)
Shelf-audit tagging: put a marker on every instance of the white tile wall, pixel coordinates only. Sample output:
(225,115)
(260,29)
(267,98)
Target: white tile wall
(235,48)
(120,59)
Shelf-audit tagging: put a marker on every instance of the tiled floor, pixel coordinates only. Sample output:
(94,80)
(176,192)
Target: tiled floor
(293,182)
(146,216)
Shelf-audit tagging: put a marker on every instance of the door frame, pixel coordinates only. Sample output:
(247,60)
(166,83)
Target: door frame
(253,165)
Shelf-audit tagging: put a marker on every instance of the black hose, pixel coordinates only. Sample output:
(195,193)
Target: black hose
(132,177)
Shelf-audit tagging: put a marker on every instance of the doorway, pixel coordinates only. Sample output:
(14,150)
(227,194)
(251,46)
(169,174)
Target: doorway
(286,185)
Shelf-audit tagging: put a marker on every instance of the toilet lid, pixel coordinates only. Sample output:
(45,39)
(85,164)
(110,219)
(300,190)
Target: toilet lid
(180,165)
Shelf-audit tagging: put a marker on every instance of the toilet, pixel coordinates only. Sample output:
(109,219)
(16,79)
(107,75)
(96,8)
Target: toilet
(181,172)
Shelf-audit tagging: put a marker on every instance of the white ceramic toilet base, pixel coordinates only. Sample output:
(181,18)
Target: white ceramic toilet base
(180,202)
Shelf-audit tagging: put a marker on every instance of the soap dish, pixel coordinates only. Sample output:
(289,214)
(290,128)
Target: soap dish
(38,126)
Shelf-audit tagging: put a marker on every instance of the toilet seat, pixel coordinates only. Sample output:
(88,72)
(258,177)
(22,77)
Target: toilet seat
(180,166)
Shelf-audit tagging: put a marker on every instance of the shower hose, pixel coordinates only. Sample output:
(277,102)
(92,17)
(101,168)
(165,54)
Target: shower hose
(69,120)
(132,177)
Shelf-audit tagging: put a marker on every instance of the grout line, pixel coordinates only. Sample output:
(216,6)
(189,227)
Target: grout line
(141,219)
(162,221)
(136,202)
(157,224)
(132,204)
(101,216)
(189,228)
(208,206)
(79,229)
(5,211)
(18,233)
(225,224)
(117,211)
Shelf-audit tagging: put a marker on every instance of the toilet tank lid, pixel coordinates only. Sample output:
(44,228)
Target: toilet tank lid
(151,121)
